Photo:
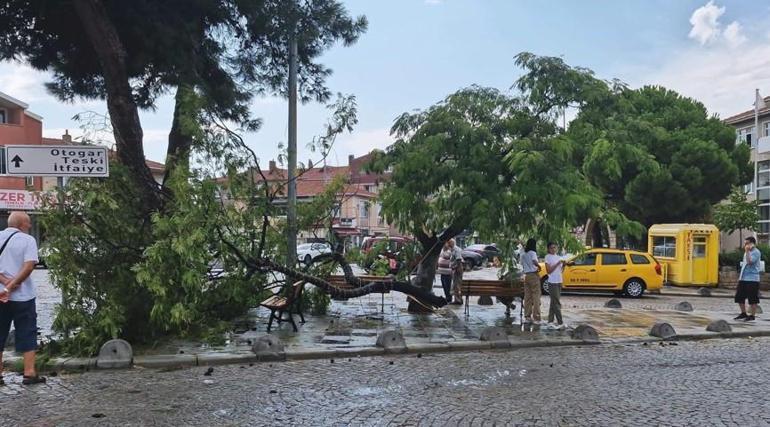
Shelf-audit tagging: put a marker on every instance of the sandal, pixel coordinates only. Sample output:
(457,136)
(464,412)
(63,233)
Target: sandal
(33,380)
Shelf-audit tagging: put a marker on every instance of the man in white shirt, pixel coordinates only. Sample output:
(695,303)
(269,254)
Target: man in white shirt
(554,265)
(18,256)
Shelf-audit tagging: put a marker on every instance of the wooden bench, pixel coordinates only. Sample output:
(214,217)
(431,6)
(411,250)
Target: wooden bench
(291,304)
(501,289)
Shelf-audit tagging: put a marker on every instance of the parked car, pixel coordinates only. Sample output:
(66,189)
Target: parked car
(489,252)
(472,259)
(626,272)
(308,251)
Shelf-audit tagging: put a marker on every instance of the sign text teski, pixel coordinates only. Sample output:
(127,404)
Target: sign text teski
(57,160)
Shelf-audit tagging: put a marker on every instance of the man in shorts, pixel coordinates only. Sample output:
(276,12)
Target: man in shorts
(748,282)
(18,256)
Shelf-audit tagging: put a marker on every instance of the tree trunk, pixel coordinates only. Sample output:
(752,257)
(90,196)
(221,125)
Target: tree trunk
(124,113)
(426,269)
(179,143)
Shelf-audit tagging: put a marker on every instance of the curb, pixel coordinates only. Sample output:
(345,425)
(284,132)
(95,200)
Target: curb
(176,361)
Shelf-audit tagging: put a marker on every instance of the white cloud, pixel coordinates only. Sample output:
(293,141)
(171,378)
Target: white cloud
(705,23)
(734,34)
(718,74)
(23,82)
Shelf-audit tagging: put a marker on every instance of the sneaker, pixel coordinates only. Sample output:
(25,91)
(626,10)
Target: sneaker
(560,327)
(33,380)
(749,318)
(741,316)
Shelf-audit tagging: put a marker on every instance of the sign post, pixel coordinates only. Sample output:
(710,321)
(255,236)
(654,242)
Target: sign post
(57,160)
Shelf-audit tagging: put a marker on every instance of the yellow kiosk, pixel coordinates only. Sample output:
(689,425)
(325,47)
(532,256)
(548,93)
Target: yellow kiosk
(690,252)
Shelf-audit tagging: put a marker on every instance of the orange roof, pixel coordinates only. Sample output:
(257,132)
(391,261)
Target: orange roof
(747,115)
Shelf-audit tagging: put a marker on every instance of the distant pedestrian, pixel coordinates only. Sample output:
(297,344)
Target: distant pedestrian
(531,266)
(18,256)
(456,265)
(748,282)
(445,270)
(554,265)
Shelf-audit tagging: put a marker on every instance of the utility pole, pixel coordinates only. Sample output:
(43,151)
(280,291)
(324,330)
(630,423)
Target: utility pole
(291,202)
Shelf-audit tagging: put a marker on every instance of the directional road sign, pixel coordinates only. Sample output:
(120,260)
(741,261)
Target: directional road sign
(57,160)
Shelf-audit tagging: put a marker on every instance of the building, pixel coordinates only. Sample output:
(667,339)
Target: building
(19,126)
(760,156)
(359,213)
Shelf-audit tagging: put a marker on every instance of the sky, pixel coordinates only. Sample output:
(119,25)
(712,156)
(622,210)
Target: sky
(416,52)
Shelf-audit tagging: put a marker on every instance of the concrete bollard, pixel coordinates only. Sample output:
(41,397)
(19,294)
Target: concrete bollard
(663,330)
(269,347)
(115,354)
(485,300)
(613,303)
(683,306)
(585,333)
(719,326)
(392,341)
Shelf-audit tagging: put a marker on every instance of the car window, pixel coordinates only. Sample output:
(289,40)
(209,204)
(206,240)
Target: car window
(303,246)
(639,259)
(613,259)
(585,259)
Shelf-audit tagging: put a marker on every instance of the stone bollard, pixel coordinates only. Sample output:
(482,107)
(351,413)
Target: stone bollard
(719,326)
(392,341)
(683,306)
(485,300)
(663,330)
(704,292)
(495,335)
(269,347)
(115,354)
(585,333)
(613,303)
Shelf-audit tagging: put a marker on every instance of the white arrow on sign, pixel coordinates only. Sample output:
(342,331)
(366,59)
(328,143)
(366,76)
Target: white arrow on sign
(57,160)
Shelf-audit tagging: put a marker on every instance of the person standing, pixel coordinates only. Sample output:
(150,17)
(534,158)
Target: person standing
(531,266)
(456,265)
(445,271)
(554,265)
(748,282)
(18,256)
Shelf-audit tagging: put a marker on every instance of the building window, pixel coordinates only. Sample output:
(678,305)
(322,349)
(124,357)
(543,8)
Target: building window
(766,131)
(3,116)
(29,181)
(745,136)
(363,210)
(664,246)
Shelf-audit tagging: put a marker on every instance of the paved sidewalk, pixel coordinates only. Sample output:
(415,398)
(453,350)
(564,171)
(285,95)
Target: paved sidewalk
(352,326)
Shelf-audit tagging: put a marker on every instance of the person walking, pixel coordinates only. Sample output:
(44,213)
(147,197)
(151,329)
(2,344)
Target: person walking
(456,265)
(554,265)
(445,271)
(18,256)
(748,281)
(531,266)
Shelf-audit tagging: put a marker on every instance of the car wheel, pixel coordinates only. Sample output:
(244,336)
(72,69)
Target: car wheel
(308,259)
(634,288)
(544,285)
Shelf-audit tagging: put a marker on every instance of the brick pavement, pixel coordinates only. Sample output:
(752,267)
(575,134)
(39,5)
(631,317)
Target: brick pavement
(720,382)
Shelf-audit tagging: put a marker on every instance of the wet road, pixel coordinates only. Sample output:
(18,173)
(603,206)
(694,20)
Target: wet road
(718,382)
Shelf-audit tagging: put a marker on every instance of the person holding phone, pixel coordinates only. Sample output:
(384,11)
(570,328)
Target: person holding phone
(748,281)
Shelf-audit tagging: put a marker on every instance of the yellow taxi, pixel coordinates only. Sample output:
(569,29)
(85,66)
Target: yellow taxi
(602,269)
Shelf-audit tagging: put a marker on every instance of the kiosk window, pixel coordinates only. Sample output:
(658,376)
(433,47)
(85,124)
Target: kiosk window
(664,246)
